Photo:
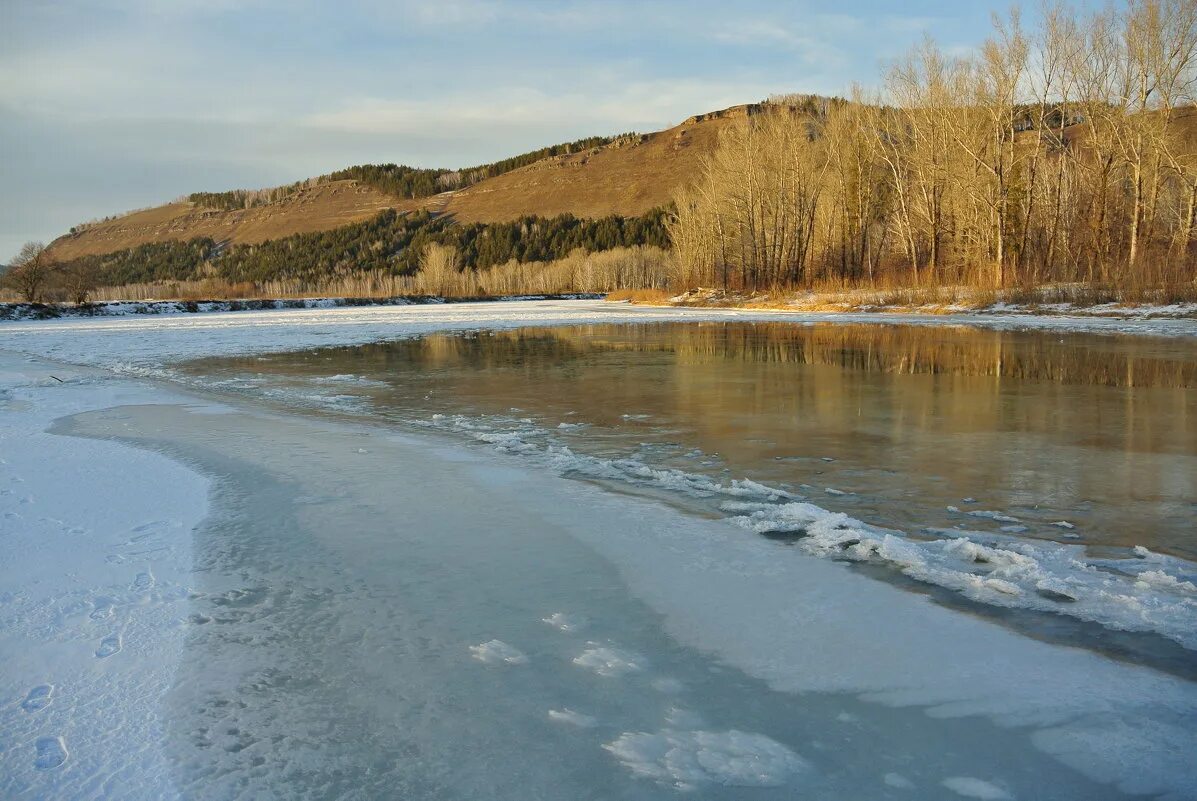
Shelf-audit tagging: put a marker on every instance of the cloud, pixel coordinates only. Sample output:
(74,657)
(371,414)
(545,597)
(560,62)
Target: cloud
(108,104)
(619,105)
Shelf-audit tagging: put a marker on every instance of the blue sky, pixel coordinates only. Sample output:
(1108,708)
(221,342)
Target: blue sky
(107,106)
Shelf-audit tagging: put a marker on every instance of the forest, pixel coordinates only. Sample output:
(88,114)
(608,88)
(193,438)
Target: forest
(389,244)
(1062,152)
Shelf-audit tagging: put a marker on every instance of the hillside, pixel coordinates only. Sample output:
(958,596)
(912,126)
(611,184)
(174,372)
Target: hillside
(627,177)
(316,208)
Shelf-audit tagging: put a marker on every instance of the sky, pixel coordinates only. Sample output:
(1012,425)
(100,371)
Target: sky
(112,105)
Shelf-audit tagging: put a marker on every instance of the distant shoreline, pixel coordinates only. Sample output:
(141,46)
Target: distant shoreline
(122,308)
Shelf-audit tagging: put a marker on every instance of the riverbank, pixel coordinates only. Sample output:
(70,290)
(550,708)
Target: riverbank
(124,308)
(1048,301)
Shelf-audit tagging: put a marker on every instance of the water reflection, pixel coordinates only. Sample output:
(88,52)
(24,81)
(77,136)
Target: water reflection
(906,421)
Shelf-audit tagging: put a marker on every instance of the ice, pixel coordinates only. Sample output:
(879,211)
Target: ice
(793,618)
(1000,517)
(1158,579)
(496,652)
(668,685)
(970,787)
(566,623)
(73,588)
(1004,571)
(572,718)
(51,753)
(142,344)
(898,781)
(607,661)
(345,378)
(38,698)
(687,759)
(678,718)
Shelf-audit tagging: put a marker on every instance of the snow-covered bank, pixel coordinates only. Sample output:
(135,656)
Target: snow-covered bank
(95,560)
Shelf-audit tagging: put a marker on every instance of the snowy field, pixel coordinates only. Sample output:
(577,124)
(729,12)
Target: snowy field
(106,599)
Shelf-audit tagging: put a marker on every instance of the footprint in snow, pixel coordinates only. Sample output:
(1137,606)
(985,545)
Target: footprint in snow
(143,583)
(38,698)
(108,646)
(51,753)
(102,608)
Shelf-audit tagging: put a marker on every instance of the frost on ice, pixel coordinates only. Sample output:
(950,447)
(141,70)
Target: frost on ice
(609,661)
(565,623)
(970,787)
(572,718)
(497,652)
(687,759)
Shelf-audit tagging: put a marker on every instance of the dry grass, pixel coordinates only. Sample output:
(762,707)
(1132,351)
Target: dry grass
(644,267)
(622,178)
(646,297)
(627,178)
(936,299)
(316,208)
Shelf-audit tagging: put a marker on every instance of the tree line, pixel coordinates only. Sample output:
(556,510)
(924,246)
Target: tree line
(236,199)
(411,183)
(1061,152)
(399,180)
(391,243)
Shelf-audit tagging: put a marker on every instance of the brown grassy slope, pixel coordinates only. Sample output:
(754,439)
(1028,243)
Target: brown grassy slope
(314,208)
(627,177)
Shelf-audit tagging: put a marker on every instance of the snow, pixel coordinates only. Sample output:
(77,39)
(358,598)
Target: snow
(565,623)
(572,718)
(970,787)
(686,759)
(497,652)
(1001,570)
(95,554)
(610,662)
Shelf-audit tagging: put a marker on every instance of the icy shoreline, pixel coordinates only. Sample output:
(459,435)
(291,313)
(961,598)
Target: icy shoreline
(95,560)
(149,344)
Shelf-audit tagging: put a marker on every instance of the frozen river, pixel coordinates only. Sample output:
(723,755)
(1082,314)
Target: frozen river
(724,560)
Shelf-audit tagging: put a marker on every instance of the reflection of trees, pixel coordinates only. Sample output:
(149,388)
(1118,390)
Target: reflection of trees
(909,350)
(926,350)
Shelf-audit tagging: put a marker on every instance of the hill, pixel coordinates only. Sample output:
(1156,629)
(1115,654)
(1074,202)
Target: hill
(628,176)
(309,209)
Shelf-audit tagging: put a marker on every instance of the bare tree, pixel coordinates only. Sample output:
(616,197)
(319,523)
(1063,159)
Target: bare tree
(78,280)
(29,271)
(440,267)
